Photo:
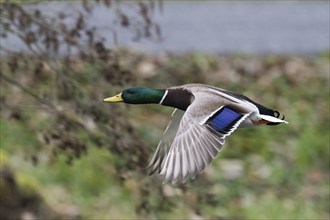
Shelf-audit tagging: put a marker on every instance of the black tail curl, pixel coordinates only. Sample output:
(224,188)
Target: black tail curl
(266,111)
(277,115)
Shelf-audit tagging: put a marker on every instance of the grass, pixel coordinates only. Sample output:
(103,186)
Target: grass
(279,172)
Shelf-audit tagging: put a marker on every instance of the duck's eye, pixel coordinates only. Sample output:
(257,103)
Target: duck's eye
(130,92)
(276,114)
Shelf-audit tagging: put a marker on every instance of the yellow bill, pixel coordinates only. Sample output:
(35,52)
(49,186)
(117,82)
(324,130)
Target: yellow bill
(116,98)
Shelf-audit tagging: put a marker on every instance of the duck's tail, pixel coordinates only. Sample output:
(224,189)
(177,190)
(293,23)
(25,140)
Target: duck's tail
(270,116)
(275,119)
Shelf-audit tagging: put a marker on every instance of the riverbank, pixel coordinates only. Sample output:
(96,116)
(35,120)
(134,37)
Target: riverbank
(220,27)
(81,156)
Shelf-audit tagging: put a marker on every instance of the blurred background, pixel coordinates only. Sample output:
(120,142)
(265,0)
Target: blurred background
(67,155)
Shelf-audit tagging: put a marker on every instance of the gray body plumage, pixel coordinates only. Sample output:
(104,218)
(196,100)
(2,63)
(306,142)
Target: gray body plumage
(189,143)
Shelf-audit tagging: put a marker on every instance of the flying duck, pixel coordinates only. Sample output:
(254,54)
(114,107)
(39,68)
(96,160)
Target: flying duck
(203,117)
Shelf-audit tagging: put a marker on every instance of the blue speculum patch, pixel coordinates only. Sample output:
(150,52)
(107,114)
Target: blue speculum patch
(224,119)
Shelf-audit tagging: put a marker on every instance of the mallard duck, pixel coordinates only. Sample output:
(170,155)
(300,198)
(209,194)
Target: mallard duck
(203,117)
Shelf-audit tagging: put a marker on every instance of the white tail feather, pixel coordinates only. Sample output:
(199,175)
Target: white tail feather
(272,119)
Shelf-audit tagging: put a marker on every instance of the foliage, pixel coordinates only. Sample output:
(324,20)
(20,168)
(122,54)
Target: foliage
(279,171)
(47,37)
(86,158)
(60,59)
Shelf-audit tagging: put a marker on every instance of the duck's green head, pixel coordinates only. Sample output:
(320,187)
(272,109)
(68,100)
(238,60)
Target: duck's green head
(138,96)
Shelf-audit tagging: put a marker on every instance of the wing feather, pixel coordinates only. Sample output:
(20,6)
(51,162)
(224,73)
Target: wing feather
(194,138)
(158,160)
(192,162)
(185,165)
(193,148)
(177,167)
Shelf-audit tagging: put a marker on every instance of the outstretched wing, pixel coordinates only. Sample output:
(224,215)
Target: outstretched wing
(157,161)
(197,143)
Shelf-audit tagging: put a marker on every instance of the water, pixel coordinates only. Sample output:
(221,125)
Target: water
(223,27)
(248,27)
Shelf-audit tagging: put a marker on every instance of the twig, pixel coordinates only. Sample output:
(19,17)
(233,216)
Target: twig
(29,92)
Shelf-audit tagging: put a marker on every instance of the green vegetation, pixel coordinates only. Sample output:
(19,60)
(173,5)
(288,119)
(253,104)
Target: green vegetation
(67,155)
(279,172)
